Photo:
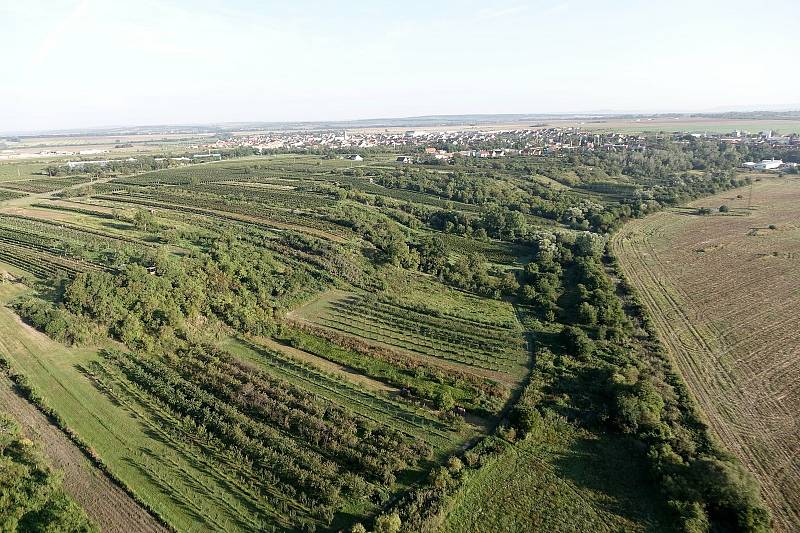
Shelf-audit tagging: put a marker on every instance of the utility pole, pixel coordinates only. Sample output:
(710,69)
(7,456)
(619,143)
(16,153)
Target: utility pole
(750,199)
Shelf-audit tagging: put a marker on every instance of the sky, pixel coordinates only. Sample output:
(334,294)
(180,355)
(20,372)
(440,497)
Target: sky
(92,63)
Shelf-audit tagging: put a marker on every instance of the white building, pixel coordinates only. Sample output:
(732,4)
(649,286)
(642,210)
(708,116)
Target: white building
(81,164)
(768,164)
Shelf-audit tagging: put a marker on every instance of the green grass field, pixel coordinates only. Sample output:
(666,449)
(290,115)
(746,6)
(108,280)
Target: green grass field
(20,170)
(565,481)
(417,289)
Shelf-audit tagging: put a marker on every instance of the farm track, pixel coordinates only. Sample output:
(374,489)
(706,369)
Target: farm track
(325,365)
(725,303)
(108,505)
(105,502)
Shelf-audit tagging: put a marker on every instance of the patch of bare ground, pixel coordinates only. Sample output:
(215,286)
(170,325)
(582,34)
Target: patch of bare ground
(108,505)
(44,214)
(724,294)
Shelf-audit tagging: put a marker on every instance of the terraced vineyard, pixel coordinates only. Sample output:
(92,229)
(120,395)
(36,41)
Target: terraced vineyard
(722,290)
(275,440)
(10,195)
(489,350)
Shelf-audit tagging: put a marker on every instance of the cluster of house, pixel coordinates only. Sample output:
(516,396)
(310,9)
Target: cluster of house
(96,162)
(534,141)
(764,137)
(474,143)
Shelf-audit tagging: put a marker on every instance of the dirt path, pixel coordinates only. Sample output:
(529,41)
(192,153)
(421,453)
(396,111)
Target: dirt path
(108,505)
(328,366)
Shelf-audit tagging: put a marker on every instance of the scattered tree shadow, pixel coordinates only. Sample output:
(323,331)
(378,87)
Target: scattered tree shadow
(616,470)
(121,226)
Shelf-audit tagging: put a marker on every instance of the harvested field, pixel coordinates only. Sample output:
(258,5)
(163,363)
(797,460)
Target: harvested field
(723,294)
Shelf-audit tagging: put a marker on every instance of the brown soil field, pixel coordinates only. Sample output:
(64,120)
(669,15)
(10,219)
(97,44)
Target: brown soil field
(107,505)
(723,291)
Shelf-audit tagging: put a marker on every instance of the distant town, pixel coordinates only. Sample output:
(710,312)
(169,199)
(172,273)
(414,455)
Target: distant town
(421,145)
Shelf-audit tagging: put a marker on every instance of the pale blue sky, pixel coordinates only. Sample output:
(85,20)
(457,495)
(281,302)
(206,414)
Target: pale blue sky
(80,63)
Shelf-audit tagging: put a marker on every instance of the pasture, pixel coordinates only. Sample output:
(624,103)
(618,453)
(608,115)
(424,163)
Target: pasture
(722,290)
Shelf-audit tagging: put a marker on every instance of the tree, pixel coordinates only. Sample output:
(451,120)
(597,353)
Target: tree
(444,401)
(587,314)
(724,208)
(388,523)
(143,218)
(576,341)
(588,245)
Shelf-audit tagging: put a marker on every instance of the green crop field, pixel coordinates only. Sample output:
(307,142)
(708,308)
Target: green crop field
(19,170)
(299,342)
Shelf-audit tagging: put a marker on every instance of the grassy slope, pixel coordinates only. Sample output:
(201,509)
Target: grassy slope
(425,290)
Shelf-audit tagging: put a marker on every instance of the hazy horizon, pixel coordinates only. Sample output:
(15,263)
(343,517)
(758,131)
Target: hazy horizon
(89,64)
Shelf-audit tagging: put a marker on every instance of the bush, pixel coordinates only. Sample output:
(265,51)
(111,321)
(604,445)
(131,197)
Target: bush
(576,342)
(732,493)
(724,208)
(388,523)
(57,323)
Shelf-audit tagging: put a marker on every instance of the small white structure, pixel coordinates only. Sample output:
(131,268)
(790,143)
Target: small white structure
(404,159)
(768,164)
(81,164)
(354,157)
